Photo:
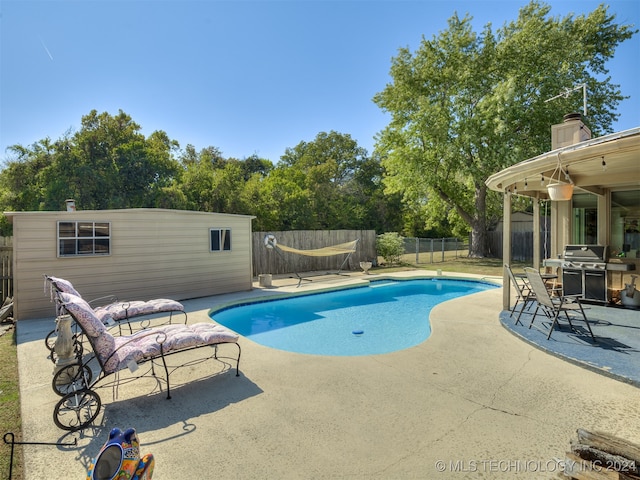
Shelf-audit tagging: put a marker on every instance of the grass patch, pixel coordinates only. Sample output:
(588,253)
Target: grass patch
(10,405)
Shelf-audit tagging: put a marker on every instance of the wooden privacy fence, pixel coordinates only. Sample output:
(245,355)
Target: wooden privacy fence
(266,260)
(6,268)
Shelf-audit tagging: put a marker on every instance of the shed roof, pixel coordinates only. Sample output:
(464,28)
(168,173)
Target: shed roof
(154,211)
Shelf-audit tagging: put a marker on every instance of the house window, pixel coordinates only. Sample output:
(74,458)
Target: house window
(584,227)
(220,239)
(84,238)
(625,223)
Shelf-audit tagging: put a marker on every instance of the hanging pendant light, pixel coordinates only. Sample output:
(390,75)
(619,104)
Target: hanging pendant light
(558,190)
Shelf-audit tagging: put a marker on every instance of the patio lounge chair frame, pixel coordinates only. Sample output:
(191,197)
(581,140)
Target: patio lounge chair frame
(111,311)
(553,306)
(109,355)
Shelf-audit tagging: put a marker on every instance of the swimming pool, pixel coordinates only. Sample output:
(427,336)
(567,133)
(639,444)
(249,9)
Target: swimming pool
(383,317)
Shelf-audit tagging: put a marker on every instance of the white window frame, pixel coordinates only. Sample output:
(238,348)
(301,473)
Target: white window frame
(81,243)
(223,239)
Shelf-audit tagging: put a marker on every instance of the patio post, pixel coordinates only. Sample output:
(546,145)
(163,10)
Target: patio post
(506,249)
(536,231)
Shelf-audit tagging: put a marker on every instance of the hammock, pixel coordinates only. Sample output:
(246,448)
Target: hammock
(348,247)
(340,249)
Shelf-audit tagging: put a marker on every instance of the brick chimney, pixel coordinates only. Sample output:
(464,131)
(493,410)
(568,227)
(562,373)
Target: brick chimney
(570,132)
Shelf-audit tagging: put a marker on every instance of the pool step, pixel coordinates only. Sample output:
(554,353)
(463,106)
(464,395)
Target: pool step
(381,284)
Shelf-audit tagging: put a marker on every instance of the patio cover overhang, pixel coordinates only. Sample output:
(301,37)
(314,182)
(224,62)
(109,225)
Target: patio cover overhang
(584,162)
(620,151)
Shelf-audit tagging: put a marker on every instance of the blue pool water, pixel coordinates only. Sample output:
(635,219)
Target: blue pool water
(383,317)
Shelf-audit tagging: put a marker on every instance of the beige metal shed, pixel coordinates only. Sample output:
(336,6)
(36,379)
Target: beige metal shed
(137,253)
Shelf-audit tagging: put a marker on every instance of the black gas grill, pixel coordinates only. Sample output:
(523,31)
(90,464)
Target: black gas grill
(584,271)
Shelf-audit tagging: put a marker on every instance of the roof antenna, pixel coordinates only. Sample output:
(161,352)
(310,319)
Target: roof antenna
(568,91)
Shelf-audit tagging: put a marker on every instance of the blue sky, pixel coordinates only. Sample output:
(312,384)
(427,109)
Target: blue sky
(247,77)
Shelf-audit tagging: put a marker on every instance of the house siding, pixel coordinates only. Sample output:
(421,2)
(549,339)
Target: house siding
(154,253)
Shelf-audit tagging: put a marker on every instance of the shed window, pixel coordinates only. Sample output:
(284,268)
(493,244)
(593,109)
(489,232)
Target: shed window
(84,238)
(220,239)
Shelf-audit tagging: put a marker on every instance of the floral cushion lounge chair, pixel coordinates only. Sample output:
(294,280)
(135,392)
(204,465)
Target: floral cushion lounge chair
(80,404)
(116,311)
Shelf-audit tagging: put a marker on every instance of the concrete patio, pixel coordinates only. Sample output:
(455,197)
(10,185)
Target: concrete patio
(473,401)
(615,351)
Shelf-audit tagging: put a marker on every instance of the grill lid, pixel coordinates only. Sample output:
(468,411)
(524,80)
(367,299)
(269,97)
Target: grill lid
(587,253)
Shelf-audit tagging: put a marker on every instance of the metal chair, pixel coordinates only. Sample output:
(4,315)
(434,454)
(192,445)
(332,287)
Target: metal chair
(553,306)
(524,294)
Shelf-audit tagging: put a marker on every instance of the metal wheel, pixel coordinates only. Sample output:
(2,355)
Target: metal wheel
(50,339)
(76,410)
(50,343)
(71,378)
(78,349)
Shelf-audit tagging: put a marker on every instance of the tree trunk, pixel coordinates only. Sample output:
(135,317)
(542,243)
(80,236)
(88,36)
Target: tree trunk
(477,220)
(478,245)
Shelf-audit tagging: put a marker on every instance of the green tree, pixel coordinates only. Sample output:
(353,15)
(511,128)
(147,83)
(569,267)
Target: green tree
(371,209)
(228,186)
(212,183)
(322,168)
(343,184)
(390,246)
(108,163)
(21,181)
(196,181)
(254,164)
(466,105)
(101,149)
(282,202)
